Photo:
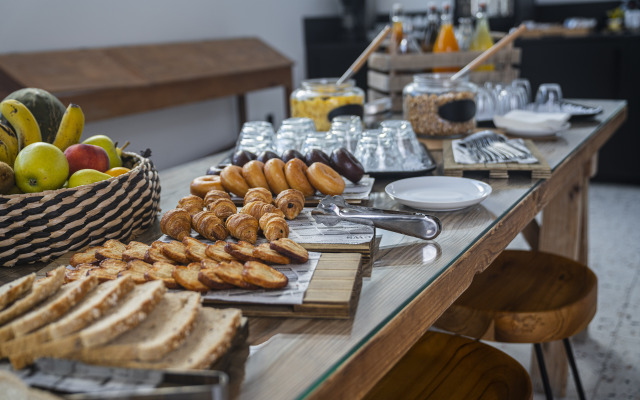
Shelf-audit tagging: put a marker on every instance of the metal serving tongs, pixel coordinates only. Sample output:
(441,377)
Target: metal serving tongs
(333,209)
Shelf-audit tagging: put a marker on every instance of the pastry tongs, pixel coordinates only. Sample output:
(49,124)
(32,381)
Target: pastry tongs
(333,209)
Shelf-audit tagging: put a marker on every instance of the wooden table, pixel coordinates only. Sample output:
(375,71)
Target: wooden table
(413,281)
(116,81)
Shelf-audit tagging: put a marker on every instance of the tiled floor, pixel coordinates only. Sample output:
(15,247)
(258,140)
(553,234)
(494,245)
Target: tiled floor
(608,357)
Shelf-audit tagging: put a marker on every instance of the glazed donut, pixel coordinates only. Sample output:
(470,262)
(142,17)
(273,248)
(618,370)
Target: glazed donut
(202,184)
(325,179)
(295,172)
(232,180)
(253,174)
(274,172)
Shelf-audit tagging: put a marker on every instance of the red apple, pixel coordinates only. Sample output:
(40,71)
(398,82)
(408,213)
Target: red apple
(86,156)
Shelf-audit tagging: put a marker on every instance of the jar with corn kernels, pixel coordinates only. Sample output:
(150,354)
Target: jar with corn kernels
(322,99)
(438,106)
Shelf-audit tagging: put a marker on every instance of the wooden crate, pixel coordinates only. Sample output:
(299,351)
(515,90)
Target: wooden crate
(389,73)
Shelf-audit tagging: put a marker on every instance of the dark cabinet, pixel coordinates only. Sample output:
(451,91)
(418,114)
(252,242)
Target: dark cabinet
(597,67)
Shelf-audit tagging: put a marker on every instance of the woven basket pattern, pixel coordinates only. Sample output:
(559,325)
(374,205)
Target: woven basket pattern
(37,227)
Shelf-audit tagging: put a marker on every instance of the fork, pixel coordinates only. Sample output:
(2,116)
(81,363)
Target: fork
(490,146)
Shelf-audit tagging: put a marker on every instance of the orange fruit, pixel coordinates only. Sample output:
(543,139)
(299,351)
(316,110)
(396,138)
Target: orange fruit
(116,171)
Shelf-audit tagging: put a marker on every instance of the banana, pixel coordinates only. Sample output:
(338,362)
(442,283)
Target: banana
(70,128)
(5,154)
(23,122)
(9,138)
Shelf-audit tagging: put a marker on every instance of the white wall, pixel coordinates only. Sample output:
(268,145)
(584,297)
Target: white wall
(182,133)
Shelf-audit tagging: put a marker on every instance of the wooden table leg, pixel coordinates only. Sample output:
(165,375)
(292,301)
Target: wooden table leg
(242,110)
(563,232)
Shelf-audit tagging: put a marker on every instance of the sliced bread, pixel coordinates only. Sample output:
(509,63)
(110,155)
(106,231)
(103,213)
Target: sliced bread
(129,313)
(210,339)
(50,309)
(40,291)
(131,310)
(14,289)
(162,331)
(92,307)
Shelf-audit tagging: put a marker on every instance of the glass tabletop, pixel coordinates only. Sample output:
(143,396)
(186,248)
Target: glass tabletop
(290,358)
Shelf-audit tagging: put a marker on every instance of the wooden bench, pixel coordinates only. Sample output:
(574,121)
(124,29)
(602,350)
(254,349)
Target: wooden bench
(116,81)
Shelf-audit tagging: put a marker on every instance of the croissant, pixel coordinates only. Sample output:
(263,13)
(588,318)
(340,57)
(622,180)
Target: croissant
(274,226)
(258,194)
(222,207)
(290,202)
(192,203)
(215,194)
(243,227)
(209,225)
(258,208)
(176,223)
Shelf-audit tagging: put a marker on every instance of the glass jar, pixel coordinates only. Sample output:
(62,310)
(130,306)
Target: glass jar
(322,99)
(437,106)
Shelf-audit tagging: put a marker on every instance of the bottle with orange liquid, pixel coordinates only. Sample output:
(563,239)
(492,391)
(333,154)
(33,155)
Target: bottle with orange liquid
(396,19)
(446,41)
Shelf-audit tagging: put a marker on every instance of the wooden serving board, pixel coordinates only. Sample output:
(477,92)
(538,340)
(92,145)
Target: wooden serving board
(539,170)
(332,293)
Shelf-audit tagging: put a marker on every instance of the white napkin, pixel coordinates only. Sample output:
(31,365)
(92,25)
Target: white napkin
(530,120)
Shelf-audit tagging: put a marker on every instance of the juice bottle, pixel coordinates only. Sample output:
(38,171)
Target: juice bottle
(481,37)
(396,18)
(446,41)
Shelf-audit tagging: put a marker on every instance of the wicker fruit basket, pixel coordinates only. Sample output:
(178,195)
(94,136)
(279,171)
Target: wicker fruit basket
(37,227)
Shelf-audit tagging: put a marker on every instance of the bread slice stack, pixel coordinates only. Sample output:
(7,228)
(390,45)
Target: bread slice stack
(115,323)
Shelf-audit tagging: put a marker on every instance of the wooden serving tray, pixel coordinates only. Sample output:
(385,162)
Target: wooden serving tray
(539,170)
(332,293)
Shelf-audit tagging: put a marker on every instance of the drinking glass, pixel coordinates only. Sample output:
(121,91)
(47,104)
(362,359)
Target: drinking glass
(549,97)
(256,136)
(293,132)
(401,133)
(347,129)
(485,104)
(526,85)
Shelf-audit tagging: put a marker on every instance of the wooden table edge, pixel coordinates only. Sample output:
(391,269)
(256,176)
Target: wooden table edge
(360,372)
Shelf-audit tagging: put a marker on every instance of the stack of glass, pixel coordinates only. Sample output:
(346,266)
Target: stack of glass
(392,147)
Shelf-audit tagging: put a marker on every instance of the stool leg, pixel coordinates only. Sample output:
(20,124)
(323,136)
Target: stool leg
(543,371)
(574,368)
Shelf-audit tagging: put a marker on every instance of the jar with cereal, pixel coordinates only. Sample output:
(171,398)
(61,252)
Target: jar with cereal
(438,106)
(322,99)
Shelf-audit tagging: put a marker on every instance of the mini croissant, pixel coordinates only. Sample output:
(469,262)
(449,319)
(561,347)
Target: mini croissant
(215,194)
(258,194)
(209,225)
(192,203)
(258,208)
(222,208)
(176,223)
(243,227)
(290,202)
(274,226)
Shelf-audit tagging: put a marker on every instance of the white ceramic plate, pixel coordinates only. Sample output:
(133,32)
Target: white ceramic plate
(438,193)
(536,132)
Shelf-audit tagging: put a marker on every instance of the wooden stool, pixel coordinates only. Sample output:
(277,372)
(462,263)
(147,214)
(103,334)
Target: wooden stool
(527,297)
(445,366)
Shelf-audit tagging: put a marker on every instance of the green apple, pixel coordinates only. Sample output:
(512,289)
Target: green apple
(106,143)
(40,166)
(86,176)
